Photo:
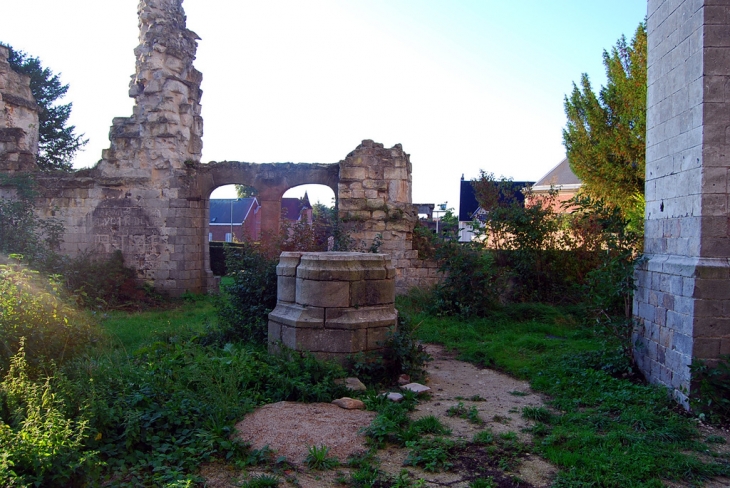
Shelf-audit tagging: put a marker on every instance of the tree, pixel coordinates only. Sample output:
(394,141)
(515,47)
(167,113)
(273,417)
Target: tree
(57,141)
(606,134)
(246,191)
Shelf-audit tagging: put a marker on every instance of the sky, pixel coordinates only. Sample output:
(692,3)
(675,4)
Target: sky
(463,85)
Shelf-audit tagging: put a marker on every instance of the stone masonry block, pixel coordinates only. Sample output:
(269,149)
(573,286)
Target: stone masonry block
(377,337)
(712,289)
(323,293)
(274,332)
(294,315)
(349,173)
(342,266)
(711,327)
(360,318)
(286,289)
(288,262)
(708,308)
(706,348)
(324,340)
(372,292)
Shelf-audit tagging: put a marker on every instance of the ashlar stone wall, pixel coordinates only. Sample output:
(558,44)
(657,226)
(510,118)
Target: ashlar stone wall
(18,120)
(683,296)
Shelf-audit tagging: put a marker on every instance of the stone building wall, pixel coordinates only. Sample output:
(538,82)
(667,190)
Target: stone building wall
(18,120)
(374,194)
(148,196)
(683,296)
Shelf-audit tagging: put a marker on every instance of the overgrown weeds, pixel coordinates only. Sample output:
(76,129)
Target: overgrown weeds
(35,309)
(711,390)
(402,353)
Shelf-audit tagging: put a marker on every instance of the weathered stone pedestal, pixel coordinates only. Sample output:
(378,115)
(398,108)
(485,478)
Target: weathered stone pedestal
(333,304)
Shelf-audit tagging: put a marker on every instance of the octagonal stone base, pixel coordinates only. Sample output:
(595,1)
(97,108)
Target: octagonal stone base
(333,304)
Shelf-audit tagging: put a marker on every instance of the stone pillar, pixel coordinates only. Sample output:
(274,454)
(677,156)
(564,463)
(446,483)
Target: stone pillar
(18,120)
(683,297)
(374,193)
(153,209)
(333,304)
(270,201)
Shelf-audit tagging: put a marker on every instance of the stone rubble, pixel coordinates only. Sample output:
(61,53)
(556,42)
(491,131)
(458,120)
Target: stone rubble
(416,388)
(349,403)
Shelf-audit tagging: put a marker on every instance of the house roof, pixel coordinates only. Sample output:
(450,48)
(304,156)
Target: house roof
(468,204)
(291,208)
(560,176)
(222,208)
(467,201)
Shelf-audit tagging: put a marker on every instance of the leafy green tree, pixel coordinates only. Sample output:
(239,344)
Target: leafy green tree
(58,142)
(606,133)
(245,191)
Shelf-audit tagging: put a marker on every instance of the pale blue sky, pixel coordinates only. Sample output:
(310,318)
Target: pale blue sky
(461,84)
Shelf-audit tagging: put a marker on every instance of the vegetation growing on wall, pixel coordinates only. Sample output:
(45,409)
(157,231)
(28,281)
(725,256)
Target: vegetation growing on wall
(21,230)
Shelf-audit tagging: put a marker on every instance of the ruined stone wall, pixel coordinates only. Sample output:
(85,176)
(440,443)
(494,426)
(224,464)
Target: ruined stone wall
(683,296)
(374,193)
(148,196)
(18,120)
(143,197)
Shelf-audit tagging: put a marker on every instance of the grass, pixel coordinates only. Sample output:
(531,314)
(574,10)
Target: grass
(155,402)
(132,330)
(601,429)
(319,458)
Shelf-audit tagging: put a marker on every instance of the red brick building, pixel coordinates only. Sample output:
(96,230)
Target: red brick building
(235,219)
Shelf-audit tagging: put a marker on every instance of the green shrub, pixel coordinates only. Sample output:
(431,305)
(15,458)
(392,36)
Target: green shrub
(34,307)
(472,284)
(402,354)
(41,444)
(247,301)
(103,282)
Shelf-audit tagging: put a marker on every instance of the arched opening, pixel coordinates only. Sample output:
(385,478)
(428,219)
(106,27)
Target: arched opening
(233,215)
(245,204)
(308,218)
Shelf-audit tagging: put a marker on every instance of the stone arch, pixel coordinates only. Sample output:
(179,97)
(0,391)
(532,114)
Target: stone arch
(271,180)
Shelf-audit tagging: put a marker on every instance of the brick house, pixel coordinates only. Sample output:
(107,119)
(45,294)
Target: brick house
(232,219)
(562,179)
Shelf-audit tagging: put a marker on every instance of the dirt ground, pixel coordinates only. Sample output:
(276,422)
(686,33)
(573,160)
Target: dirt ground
(291,428)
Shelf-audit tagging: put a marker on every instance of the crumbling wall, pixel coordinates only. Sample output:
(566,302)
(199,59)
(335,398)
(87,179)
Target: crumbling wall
(143,197)
(374,193)
(165,130)
(148,196)
(18,120)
